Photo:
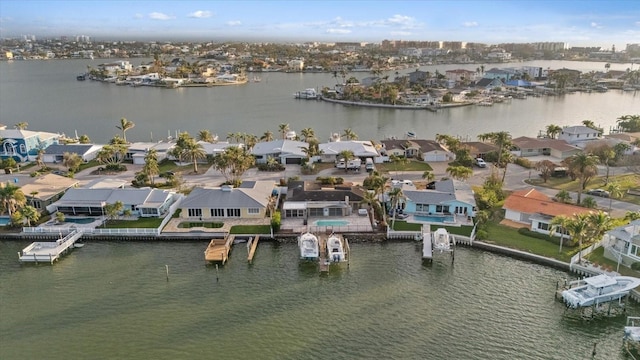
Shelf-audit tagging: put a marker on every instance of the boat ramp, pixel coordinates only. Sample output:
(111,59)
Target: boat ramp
(49,251)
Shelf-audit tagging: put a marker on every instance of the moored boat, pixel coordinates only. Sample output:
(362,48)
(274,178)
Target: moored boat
(307,94)
(308,244)
(598,289)
(442,241)
(335,249)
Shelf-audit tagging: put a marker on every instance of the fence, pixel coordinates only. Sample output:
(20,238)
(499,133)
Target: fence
(586,251)
(172,209)
(92,231)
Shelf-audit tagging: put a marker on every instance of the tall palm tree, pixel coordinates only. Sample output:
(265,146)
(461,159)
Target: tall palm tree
(615,191)
(559,225)
(578,228)
(206,136)
(583,167)
(284,129)
(395,195)
(428,175)
(195,152)
(502,140)
(459,172)
(11,198)
(151,167)
(267,136)
(346,155)
(21,125)
(124,126)
(553,130)
(349,134)
(31,214)
(307,133)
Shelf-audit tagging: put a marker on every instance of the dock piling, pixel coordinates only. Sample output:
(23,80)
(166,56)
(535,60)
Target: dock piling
(167,269)
(217,278)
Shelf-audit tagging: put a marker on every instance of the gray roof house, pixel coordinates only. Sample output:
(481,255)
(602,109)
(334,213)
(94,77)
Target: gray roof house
(285,151)
(309,199)
(143,202)
(623,243)
(55,153)
(248,201)
(450,201)
(579,135)
(361,149)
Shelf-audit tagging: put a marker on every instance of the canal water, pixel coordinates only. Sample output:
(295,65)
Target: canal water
(112,300)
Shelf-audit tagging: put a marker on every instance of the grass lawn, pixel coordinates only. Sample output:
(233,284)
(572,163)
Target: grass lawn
(208,225)
(626,182)
(412,165)
(250,229)
(511,238)
(405,226)
(140,223)
(598,257)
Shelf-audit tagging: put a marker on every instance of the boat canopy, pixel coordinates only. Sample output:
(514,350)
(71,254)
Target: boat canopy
(600,281)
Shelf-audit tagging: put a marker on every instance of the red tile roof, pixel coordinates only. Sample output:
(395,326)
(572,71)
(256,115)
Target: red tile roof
(531,201)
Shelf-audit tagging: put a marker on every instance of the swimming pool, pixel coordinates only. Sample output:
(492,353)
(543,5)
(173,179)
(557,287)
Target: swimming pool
(434,219)
(87,220)
(332,223)
(4,221)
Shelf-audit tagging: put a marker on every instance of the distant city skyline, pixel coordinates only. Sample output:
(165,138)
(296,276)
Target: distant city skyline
(577,23)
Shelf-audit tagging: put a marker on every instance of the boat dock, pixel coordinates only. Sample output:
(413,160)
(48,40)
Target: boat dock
(427,249)
(49,251)
(324,262)
(218,249)
(252,245)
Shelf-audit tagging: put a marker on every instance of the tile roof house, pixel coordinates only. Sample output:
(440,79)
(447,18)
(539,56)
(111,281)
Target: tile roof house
(309,199)
(527,146)
(44,190)
(428,150)
(478,149)
(536,210)
(248,201)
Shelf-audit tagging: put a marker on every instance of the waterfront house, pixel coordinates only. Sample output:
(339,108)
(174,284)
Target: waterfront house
(55,153)
(284,151)
(623,243)
(534,210)
(460,75)
(502,74)
(44,190)
(307,199)
(24,145)
(248,201)
(360,149)
(579,135)
(479,149)
(136,152)
(427,150)
(450,200)
(526,146)
(488,84)
(144,202)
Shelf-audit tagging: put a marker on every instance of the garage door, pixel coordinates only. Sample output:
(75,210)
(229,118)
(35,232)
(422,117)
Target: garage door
(435,157)
(293,160)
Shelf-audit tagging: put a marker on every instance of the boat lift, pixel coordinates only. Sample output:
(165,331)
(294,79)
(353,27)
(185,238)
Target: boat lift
(439,242)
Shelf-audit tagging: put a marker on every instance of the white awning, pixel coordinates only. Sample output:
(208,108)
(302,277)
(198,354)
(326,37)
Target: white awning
(294,205)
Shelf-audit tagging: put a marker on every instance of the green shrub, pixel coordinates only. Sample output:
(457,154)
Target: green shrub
(276,221)
(525,163)
(636,266)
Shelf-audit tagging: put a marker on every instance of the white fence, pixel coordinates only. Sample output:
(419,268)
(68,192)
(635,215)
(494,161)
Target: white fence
(172,209)
(586,251)
(68,230)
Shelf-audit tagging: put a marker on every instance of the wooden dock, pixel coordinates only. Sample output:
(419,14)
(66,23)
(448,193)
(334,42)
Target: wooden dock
(323,261)
(218,250)
(49,251)
(252,245)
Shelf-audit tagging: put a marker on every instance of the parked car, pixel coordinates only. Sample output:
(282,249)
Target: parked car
(402,216)
(598,192)
(481,163)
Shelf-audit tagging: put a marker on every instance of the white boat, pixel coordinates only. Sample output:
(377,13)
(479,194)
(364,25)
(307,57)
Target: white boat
(598,289)
(308,244)
(307,94)
(442,241)
(335,249)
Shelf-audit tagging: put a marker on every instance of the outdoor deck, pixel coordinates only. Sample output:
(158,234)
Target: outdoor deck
(49,251)
(218,250)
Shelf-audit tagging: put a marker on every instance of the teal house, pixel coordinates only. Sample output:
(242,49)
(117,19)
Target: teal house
(446,201)
(24,145)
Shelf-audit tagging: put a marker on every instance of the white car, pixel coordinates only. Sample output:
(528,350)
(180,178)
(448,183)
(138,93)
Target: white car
(481,163)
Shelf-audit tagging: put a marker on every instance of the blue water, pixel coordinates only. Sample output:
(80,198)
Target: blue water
(332,223)
(434,219)
(4,221)
(80,220)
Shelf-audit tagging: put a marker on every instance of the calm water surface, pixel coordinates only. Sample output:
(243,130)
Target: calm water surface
(47,95)
(111,300)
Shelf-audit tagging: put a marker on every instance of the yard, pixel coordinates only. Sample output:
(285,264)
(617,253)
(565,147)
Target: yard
(626,182)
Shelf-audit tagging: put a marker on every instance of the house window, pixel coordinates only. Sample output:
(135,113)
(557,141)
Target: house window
(233,212)
(217,212)
(253,211)
(195,212)
(543,226)
(421,208)
(23,149)
(441,208)
(36,204)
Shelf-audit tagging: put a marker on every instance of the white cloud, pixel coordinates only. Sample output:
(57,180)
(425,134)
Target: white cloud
(234,23)
(400,20)
(138,16)
(401,33)
(160,16)
(596,25)
(201,14)
(637,23)
(470,24)
(338,31)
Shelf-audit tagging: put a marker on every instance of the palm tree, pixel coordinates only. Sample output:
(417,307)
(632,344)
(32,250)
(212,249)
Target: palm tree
(563,196)
(124,126)
(615,191)
(267,136)
(577,228)
(307,133)
(395,195)
(71,161)
(151,167)
(502,140)
(195,152)
(284,129)
(84,139)
(553,130)
(345,155)
(428,175)
(398,160)
(583,167)
(349,134)
(11,198)
(21,125)
(459,172)
(206,136)
(113,210)
(371,198)
(559,224)
(31,214)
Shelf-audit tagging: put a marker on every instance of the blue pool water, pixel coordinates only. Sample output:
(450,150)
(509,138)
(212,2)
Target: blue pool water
(332,223)
(434,219)
(80,220)
(4,221)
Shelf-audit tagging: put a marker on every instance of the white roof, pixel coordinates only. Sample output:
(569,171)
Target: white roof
(289,147)
(359,148)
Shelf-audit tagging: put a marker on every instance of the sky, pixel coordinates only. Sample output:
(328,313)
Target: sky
(578,23)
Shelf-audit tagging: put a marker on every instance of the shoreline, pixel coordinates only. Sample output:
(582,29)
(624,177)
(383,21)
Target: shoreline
(432,108)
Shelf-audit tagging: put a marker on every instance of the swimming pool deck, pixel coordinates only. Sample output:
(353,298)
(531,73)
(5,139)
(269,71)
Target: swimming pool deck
(356,223)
